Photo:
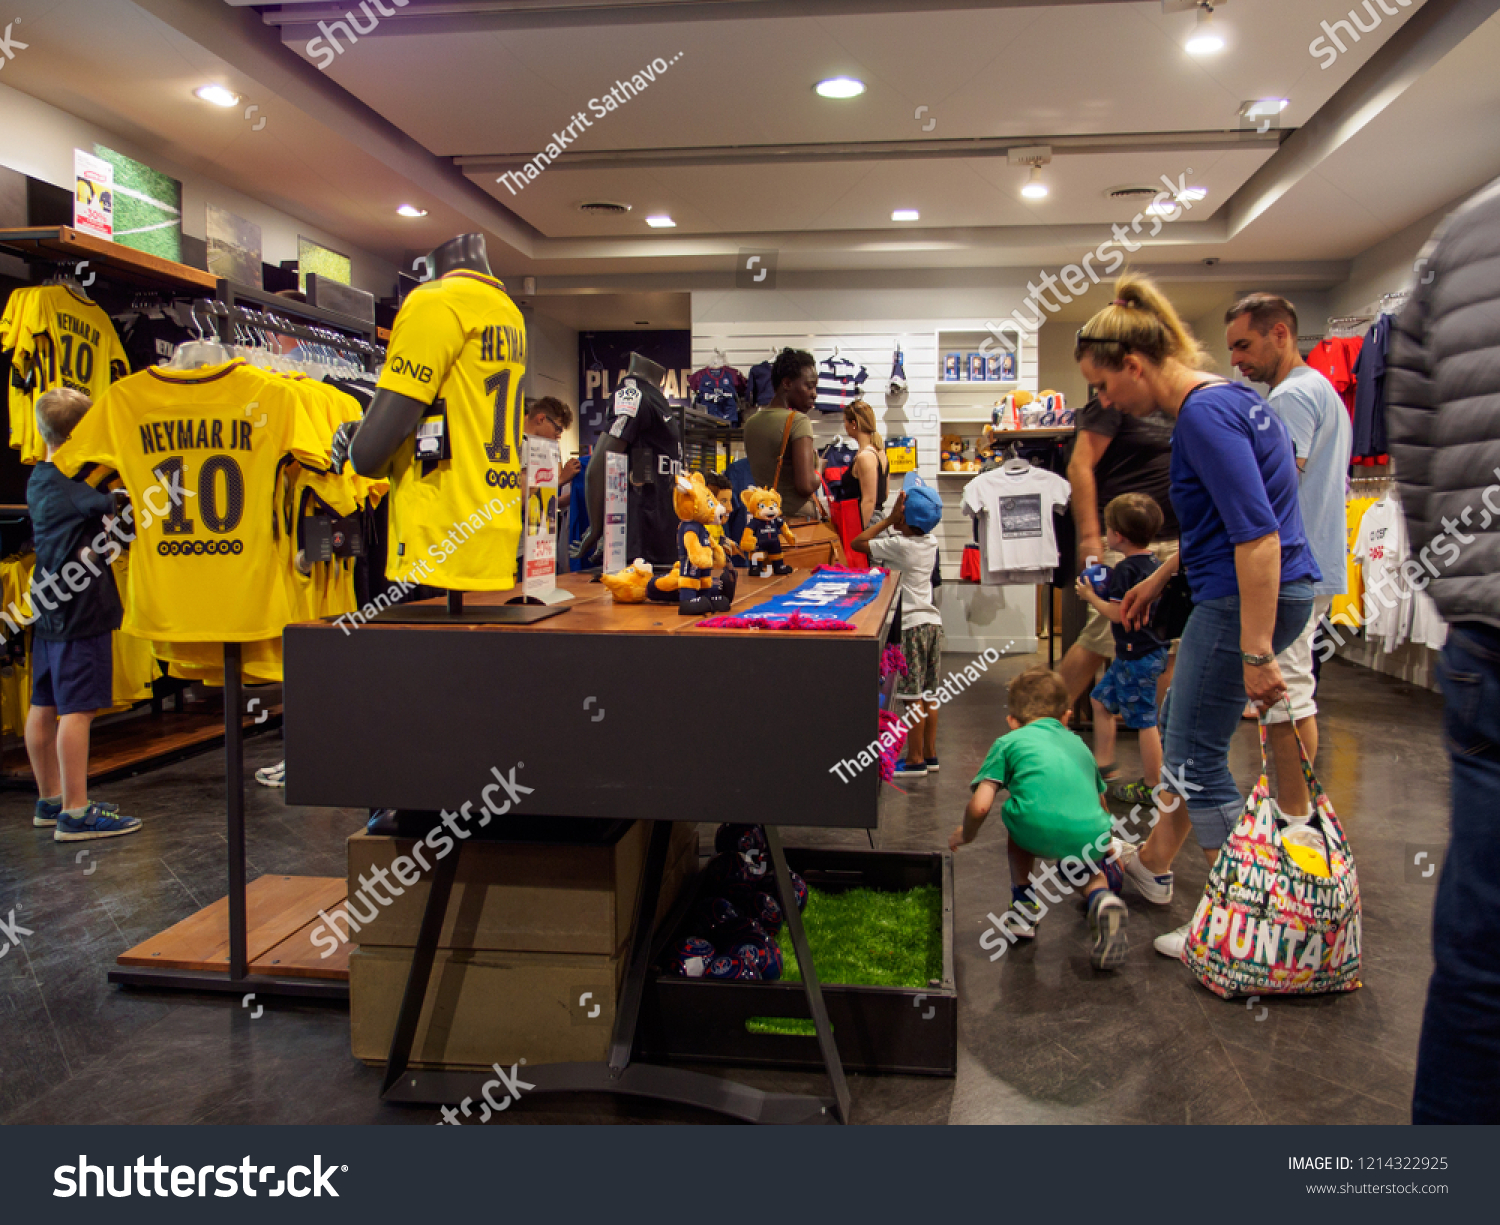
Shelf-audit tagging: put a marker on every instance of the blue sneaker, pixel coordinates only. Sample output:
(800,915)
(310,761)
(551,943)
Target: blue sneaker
(96,822)
(904,769)
(47,810)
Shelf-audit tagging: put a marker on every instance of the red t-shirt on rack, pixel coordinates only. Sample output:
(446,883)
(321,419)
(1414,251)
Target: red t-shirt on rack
(1335,358)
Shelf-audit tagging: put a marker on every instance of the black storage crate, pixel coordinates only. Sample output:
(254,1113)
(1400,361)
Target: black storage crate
(877,1029)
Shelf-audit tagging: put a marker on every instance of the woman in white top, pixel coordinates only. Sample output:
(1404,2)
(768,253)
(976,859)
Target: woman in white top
(868,475)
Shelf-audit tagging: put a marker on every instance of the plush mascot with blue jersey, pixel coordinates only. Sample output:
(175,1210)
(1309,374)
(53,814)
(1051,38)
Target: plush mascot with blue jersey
(698,554)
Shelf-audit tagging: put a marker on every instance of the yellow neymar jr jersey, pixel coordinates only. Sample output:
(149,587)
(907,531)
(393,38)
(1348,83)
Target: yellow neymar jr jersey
(459,345)
(61,339)
(199,451)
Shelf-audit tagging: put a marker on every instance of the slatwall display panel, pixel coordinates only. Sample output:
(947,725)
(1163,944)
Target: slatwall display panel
(927,413)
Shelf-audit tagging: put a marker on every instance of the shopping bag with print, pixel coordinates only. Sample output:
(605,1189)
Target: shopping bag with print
(1280,915)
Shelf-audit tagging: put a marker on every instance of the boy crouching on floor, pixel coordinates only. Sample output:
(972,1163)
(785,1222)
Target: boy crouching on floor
(1055,810)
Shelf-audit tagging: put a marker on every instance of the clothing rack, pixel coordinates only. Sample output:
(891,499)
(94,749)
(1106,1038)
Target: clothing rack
(142,272)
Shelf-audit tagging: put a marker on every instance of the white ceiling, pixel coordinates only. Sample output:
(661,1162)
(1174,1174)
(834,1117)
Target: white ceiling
(382,125)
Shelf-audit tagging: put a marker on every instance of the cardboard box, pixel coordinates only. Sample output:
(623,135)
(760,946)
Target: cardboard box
(484,1008)
(525,897)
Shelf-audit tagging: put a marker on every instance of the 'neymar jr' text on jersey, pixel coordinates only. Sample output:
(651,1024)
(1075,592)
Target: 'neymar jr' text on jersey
(459,347)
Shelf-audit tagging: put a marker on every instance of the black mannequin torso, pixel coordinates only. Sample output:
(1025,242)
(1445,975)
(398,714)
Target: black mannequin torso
(640,367)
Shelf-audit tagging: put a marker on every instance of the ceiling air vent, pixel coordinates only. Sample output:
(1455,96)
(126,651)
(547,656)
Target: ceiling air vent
(603,208)
(1132,193)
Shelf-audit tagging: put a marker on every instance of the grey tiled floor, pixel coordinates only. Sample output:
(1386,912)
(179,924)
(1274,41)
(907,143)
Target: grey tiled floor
(1042,1038)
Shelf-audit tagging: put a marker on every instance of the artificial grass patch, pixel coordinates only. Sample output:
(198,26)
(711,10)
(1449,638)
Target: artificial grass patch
(867,938)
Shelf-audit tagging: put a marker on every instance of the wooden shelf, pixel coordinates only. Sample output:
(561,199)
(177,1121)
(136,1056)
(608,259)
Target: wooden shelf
(140,741)
(63,243)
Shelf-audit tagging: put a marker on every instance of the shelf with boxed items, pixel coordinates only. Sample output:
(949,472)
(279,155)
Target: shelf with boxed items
(980,359)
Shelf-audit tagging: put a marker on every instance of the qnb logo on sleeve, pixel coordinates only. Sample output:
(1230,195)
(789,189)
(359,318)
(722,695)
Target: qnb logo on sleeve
(412,370)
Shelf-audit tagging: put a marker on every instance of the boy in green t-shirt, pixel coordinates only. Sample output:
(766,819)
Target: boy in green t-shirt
(1055,811)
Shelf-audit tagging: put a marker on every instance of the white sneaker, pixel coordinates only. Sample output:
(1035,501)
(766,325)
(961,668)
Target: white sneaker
(1108,919)
(1172,944)
(272,776)
(1154,888)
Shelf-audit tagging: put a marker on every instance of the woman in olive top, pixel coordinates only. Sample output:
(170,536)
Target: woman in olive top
(794,378)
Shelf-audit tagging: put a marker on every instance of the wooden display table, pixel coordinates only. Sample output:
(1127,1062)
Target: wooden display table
(629,712)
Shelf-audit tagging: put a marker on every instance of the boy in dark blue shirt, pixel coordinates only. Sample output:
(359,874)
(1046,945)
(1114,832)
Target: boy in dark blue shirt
(1131,522)
(76,609)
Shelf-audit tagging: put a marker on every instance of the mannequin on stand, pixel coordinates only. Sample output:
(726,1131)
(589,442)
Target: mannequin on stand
(645,431)
(445,413)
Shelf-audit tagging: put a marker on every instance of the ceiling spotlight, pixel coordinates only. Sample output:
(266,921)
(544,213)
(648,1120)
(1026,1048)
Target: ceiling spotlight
(1035,189)
(218,95)
(839,87)
(411,210)
(905,214)
(1205,39)
(661,222)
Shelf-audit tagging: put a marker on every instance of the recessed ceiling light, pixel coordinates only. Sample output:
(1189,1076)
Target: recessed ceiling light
(218,95)
(1035,189)
(1205,39)
(662,222)
(411,210)
(839,87)
(1193,194)
(905,214)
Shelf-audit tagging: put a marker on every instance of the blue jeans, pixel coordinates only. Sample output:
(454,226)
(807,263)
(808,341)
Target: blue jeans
(1458,1060)
(1203,707)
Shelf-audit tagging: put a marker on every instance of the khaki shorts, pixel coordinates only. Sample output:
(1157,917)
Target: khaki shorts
(1098,634)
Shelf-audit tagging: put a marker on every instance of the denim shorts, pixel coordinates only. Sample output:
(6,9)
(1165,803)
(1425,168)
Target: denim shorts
(1129,688)
(1203,708)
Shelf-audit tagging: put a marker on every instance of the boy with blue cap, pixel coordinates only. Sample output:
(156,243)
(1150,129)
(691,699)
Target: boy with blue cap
(903,541)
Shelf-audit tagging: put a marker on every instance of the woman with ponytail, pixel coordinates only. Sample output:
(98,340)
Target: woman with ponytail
(1234,490)
(870,470)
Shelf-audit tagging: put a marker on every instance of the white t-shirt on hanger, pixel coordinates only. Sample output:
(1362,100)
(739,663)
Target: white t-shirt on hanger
(1017,509)
(1378,551)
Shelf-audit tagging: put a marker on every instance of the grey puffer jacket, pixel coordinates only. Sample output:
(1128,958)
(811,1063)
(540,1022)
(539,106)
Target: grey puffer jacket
(1443,411)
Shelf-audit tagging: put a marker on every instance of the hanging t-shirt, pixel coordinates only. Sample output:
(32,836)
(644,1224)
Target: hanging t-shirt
(1335,358)
(578,512)
(649,428)
(458,346)
(1369,394)
(1347,609)
(59,337)
(717,390)
(151,341)
(201,452)
(1378,552)
(761,391)
(840,383)
(1017,509)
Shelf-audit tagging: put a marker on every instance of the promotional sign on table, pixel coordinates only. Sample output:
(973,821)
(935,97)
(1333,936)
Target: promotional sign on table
(825,601)
(93,195)
(616,502)
(542,459)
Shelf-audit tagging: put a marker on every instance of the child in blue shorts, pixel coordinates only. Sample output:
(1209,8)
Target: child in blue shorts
(72,668)
(1131,522)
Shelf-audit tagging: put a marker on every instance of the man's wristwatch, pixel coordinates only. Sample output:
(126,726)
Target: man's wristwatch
(1256,661)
